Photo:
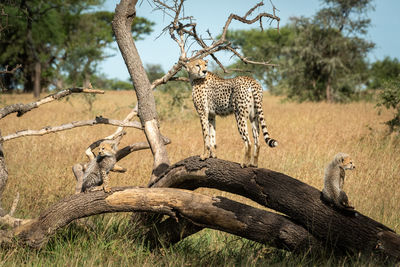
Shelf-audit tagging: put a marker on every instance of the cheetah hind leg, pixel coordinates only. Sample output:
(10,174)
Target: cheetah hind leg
(247,155)
(213,143)
(242,127)
(256,133)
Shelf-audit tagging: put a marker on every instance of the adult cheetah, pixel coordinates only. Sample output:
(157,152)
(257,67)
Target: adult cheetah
(241,95)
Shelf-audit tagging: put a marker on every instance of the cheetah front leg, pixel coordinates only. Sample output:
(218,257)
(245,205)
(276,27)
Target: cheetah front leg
(213,142)
(206,136)
(104,186)
(106,180)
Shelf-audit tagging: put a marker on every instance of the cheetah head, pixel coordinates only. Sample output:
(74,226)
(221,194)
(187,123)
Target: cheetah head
(197,68)
(106,149)
(345,161)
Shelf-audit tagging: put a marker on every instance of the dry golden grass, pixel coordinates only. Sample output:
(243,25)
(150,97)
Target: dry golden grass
(309,135)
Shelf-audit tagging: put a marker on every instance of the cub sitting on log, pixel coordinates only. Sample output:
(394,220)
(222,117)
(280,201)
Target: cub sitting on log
(334,179)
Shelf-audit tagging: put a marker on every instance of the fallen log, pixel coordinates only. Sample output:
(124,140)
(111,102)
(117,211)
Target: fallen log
(299,201)
(212,212)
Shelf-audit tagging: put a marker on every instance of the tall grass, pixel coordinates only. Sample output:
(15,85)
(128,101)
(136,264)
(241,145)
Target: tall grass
(309,135)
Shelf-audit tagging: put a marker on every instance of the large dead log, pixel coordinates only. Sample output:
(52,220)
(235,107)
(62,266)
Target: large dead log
(301,202)
(213,212)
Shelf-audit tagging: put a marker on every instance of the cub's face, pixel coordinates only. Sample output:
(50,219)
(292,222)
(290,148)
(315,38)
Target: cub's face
(106,149)
(348,164)
(197,68)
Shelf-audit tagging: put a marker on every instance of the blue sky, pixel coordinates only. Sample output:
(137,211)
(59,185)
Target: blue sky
(384,31)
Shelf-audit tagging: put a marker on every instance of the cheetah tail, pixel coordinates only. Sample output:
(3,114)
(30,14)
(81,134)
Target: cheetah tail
(270,142)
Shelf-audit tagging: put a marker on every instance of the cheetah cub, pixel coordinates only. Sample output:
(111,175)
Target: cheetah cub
(241,95)
(334,180)
(96,174)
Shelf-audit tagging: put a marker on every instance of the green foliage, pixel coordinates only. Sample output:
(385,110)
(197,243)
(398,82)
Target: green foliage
(172,98)
(154,71)
(319,58)
(383,70)
(67,38)
(390,99)
(324,64)
(266,45)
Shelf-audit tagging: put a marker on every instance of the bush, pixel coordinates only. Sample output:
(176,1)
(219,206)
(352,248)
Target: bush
(390,98)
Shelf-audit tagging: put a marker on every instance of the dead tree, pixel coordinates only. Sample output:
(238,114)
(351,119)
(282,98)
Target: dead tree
(305,221)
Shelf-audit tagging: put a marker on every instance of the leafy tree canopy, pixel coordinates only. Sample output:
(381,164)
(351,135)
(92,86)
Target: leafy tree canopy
(384,70)
(319,58)
(65,38)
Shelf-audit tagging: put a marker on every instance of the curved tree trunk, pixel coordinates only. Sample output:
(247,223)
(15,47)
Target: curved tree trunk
(213,212)
(125,12)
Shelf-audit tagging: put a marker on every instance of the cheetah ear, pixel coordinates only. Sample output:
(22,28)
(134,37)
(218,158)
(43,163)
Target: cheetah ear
(206,61)
(115,146)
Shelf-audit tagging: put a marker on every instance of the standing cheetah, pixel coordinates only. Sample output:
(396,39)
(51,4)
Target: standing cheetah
(242,96)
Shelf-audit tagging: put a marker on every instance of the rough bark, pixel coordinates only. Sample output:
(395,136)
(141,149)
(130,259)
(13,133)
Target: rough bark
(37,80)
(214,212)
(125,12)
(329,97)
(299,201)
(3,177)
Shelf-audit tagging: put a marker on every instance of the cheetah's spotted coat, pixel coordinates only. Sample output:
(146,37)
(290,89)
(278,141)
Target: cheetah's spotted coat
(241,95)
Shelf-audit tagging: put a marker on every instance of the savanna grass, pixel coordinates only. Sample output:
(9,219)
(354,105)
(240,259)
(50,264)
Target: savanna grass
(309,135)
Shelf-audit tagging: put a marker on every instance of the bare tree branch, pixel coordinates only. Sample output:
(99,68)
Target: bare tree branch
(79,168)
(178,27)
(12,71)
(21,109)
(71,125)
(9,219)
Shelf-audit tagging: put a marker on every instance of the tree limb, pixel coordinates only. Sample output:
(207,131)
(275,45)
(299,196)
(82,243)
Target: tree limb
(6,70)
(68,126)
(119,132)
(79,168)
(214,212)
(21,109)
(185,30)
